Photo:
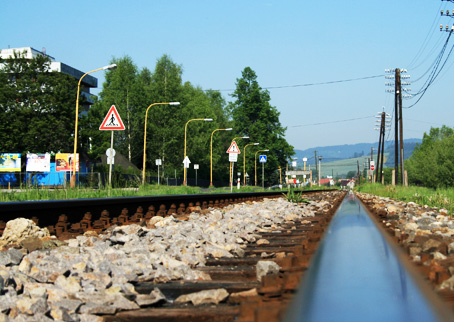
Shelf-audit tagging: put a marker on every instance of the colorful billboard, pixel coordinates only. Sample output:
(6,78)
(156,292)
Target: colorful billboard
(10,162)
(38,162)
(63,161)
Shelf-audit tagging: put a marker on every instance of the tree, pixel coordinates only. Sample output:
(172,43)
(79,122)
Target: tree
(36,106)
(432,162)
(253,116)
(119,90)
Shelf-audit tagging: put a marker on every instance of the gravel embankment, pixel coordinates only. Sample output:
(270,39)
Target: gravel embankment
(426,233)
(42,279)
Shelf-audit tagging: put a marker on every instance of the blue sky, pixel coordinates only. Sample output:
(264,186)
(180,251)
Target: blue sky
(287,43)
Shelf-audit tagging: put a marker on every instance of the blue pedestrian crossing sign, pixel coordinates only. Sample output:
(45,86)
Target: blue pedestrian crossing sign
(262,158)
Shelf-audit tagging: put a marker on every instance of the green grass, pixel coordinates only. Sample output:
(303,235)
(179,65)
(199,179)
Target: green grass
(440,198)
(36,193)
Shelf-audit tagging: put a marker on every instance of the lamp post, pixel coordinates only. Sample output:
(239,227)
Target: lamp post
(255,160)
(211,155)
(234,139)
(244,161)
(145,135)
(73,177)
(185,131)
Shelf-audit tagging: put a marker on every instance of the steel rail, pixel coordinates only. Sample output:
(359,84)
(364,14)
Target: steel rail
(359,274)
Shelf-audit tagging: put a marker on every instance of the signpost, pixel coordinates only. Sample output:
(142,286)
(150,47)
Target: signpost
(112,122)
(262,160)
(196,167)
(186,162)
(158,163)
(233,152)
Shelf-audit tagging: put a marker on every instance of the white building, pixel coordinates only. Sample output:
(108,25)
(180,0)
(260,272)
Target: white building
(87,82)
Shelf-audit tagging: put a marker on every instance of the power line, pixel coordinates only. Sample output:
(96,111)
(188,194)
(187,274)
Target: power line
(426,41)
(435,70)
(311,84)
(339,121)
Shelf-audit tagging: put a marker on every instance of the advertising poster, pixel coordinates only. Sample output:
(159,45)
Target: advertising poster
(38,162)
(63,161)
(10,162)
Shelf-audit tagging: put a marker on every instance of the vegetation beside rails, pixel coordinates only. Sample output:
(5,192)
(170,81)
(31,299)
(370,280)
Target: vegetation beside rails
(440,198)
(37,193)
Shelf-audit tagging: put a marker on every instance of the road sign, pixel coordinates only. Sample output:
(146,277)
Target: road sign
(372,165)
(233,157)
(262,158)
(233,148)
(112,121)
(196,166)
(108,152)
(158,162)
(186,162)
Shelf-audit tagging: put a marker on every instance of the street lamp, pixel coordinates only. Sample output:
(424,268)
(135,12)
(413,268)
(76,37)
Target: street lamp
(211,155)
(244,161)
(145,135)
(185,129)
(73,177)
(255,160)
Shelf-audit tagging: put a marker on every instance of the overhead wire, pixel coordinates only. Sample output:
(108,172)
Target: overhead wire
(312,84)
(435,71)
(330,122)
(425,43)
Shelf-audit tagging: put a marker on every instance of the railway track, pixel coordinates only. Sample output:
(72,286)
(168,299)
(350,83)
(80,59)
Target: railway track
(69,218)
(257,284)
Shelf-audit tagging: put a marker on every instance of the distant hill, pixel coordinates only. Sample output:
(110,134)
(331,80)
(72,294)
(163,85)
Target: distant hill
(339,159)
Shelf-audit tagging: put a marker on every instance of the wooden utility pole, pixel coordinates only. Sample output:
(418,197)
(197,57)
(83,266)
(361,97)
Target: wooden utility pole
(396,124)
(316,165)
(359,175)
(401,130)
(381,147)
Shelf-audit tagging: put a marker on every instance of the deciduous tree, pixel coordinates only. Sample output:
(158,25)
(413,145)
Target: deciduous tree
(254,116)
(36,106)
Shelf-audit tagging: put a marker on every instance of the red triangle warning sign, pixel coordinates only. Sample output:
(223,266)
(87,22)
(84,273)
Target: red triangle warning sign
(233,148)
(112,121)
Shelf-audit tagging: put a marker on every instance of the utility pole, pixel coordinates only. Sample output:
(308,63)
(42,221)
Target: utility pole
(316,166)
(358,175)
(320,169)
(396,125)
(380,149)
(401,129)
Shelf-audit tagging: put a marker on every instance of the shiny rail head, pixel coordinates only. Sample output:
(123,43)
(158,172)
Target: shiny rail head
(357,275)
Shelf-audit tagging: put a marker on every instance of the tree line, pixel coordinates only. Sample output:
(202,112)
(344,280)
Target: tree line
(432,162)
(37,111)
